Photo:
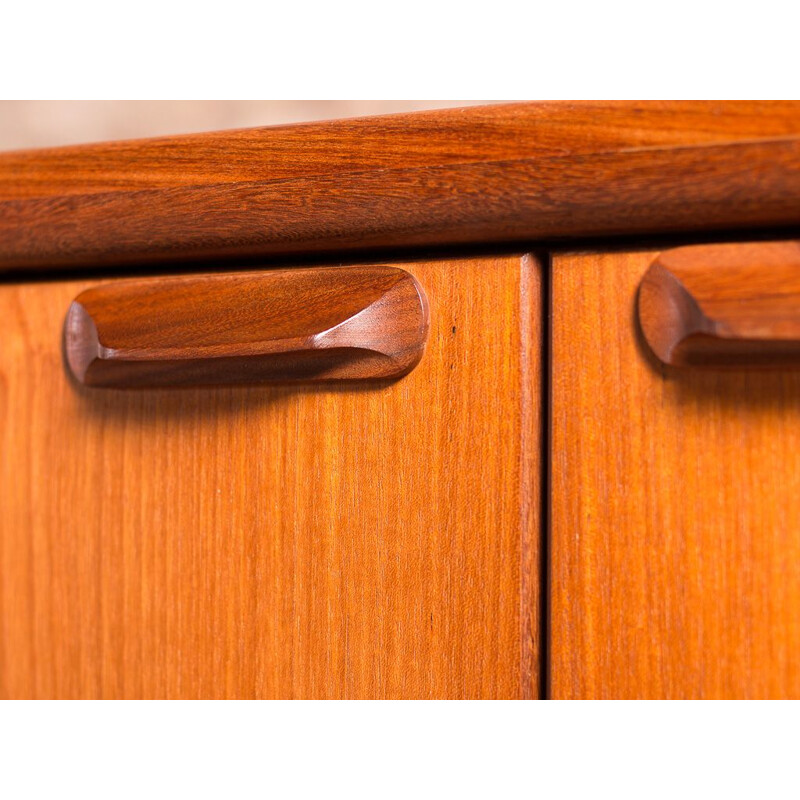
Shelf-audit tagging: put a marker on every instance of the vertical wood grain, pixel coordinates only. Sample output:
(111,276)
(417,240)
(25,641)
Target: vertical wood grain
(361,541)
(675,539)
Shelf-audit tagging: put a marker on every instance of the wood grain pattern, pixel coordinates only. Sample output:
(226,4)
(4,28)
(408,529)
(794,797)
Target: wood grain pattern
(675,534)
(498,173)
(725,305)
(351,323)
(422,139)
(364,541)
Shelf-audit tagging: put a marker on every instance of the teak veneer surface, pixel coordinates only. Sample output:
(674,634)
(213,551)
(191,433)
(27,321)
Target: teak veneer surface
(675,533)
(481,174)
(360,541)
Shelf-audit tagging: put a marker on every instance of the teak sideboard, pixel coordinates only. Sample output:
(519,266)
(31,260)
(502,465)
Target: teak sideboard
(498,402)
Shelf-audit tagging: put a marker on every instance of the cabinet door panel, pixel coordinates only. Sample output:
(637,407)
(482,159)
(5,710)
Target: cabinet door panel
(364,540)
(675,533)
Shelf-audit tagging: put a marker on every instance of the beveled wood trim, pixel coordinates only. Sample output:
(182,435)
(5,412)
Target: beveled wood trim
(486,174)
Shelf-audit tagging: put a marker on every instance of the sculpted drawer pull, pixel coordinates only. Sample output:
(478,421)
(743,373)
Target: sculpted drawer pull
(365,323)
(731,305)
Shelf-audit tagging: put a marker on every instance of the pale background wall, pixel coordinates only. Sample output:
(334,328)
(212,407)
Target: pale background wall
(48,123)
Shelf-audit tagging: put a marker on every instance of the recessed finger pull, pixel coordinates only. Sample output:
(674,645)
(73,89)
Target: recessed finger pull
(733,306)
(348,323)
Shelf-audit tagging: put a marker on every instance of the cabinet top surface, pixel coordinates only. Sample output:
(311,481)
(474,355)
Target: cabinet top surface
(493,174)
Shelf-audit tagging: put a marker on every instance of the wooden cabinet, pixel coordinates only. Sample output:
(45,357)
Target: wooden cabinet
(580,490)
(675,533)
(361,539)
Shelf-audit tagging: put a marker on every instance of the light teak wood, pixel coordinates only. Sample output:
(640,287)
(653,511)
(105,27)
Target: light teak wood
(365,540)
(729,305)
(476,175)
(356,323)
(675,532)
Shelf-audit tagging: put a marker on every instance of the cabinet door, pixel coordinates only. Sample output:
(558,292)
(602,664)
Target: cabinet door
(675,528)
(357,540)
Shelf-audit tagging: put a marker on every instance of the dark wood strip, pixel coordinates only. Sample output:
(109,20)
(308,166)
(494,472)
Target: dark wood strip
(493,174)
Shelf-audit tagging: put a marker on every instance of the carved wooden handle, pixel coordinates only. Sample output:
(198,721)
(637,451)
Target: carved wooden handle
(285,325)
(732,305)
